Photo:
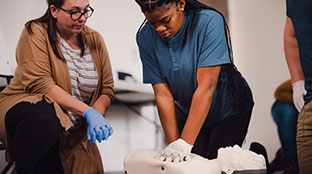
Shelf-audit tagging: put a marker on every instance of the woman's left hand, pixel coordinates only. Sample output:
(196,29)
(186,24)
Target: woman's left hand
(176,151)
(98,128)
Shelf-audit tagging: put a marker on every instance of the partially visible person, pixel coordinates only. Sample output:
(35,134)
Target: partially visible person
(285,116)
(62,88)
(203,101)
(298,51)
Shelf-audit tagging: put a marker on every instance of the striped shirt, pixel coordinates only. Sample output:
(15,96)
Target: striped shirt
(83,76)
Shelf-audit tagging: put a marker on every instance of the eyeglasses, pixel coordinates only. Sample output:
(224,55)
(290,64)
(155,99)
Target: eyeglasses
(77,15)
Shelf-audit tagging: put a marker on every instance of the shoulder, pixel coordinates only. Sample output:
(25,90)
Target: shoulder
(145,34)
(39,27)
(207,13)
(35,30)
(208,16)
(34,36)
(205,21)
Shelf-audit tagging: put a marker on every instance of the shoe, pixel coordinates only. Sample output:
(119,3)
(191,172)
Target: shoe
(291,170)
(282,162)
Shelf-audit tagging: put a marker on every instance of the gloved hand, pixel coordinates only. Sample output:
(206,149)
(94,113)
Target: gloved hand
(298,93)
(98,128)
(176,151)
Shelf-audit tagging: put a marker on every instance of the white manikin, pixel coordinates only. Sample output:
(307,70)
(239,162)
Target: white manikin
(229,159)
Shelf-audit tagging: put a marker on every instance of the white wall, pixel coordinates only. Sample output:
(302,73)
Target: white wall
(14,14)
(257,37)
(4,59)
(118,22)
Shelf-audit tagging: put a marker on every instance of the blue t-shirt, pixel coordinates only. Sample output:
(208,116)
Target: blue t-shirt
(201,42)
(300,13)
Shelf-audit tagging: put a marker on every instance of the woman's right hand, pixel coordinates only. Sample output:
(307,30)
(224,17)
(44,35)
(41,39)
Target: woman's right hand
(176,151)
(98,127)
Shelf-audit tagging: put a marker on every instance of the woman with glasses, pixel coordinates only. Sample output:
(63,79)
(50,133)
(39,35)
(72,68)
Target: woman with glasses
(61,90)
(203,101)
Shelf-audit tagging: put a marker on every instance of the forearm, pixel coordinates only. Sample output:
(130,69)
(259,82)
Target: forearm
(293,60)
(166,110)
(67,101)
(102,104)
(292,52)
(200,106)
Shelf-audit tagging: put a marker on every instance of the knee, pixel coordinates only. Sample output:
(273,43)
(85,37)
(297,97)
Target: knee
(43,118)
(26,117)
(45,122)
(284,112)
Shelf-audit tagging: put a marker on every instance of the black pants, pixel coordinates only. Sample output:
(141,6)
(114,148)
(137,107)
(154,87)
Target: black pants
(34,130)
(228,132)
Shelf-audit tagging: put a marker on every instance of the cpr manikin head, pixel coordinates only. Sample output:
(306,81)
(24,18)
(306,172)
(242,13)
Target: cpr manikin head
(229,159)
(232,159)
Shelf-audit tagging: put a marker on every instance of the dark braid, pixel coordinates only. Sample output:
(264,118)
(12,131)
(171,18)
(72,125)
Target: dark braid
(234,75)
(149,5)
(48,19)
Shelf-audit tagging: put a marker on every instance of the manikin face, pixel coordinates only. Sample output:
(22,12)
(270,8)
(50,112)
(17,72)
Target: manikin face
(167,20)
(235,158)
(65,24)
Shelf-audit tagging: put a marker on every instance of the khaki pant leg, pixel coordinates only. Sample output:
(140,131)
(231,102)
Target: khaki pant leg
(304,139)
(78,155)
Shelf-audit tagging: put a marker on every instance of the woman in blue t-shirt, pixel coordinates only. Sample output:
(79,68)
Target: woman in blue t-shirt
(203,101)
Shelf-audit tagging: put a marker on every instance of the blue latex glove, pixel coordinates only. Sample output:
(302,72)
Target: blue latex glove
(98,128)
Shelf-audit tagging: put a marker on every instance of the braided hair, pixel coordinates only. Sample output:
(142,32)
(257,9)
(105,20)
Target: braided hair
(234,75)
(48,19)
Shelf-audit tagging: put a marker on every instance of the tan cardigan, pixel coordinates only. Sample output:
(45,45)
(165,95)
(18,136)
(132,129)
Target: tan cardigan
(284,92)
(38,70)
